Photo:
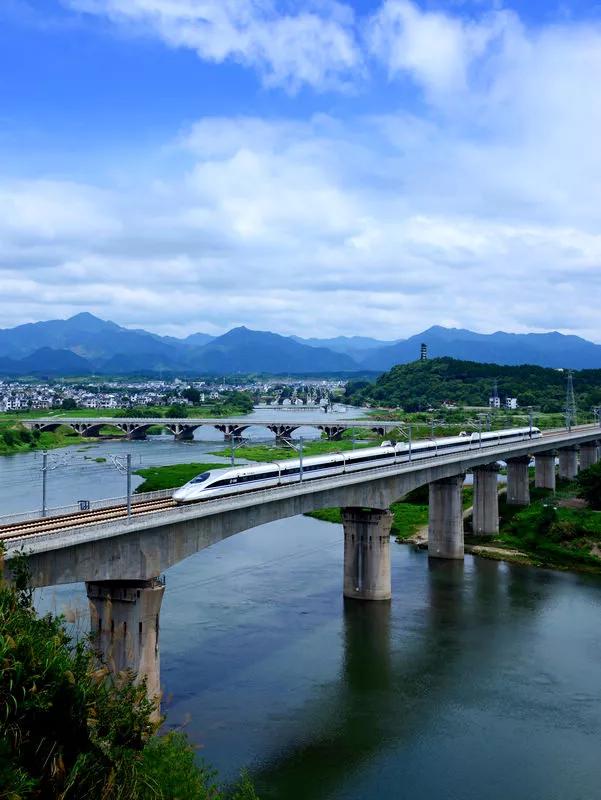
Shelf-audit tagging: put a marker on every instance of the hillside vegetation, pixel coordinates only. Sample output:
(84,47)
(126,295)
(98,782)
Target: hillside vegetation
(69,730)
(421,384)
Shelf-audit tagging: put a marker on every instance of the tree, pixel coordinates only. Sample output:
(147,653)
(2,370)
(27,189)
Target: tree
(69,730)
(589,486)
(191,394)
(69,404)
(176,411)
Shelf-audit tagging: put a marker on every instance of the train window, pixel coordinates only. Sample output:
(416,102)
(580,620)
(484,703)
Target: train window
(201,478)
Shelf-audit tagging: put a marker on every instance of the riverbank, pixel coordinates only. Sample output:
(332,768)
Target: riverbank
(15,438)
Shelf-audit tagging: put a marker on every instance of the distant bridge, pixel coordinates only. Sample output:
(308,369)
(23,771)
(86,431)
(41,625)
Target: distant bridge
(183,428)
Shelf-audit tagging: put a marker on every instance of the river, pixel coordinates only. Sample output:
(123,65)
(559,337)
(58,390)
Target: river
(479,680)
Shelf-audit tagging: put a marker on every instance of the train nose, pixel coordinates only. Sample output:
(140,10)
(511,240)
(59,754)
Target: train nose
(179,495)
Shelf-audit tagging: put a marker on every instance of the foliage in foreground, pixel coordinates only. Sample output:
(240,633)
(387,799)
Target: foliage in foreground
(69,732)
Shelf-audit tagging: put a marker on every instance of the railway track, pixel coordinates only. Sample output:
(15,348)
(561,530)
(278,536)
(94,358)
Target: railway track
(53,524)
(43,525)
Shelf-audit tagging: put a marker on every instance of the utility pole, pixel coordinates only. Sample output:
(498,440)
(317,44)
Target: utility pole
(570,402)
(299,450)
(44,474)
(233,448)
(47,465)
(128,468)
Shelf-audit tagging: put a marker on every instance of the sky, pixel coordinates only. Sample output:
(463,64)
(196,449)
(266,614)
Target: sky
(319,168)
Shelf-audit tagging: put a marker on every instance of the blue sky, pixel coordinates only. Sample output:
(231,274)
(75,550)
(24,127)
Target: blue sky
(310,167)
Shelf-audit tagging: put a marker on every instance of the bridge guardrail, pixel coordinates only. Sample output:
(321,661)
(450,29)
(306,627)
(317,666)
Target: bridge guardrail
(75,508)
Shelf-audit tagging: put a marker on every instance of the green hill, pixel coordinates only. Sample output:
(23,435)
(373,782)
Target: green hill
(423,384)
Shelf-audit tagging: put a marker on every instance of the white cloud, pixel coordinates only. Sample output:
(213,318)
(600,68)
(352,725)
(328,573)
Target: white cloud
(479,209)
(290,50)
(436,49)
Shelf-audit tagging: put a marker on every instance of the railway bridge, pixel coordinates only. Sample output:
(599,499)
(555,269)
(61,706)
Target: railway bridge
(183,429)
(121,557)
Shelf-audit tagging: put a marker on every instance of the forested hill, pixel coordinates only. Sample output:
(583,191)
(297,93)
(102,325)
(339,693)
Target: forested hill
(421,384)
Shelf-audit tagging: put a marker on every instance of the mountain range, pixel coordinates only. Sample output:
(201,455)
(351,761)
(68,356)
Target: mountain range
(85,344)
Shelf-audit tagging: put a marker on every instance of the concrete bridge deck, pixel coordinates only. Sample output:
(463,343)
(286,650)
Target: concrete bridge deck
(150,543)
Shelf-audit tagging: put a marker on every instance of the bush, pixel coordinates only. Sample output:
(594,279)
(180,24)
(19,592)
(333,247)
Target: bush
(589,486)
(69,730)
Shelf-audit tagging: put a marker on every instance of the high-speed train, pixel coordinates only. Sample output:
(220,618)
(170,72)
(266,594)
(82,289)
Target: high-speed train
(247,478)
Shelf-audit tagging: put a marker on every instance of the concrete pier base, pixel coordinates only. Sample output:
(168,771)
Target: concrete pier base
(589,454)
(518,481)
(568,463)
(125,624)
(184,435)
(485,518)
(367,553)
(445,526)
(544,471)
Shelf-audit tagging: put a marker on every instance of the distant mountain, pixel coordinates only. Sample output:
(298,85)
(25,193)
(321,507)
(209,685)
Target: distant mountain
(107,348)
(84,334)
(244,350)
(543,349)
(198,339)
(46,361)
(354,346)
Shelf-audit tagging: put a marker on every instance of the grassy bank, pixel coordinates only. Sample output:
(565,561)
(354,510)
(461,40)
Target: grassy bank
(316,447)
(554,531)
(172,476)
(14,438)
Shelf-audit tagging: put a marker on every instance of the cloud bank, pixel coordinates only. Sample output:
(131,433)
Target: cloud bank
(475,206)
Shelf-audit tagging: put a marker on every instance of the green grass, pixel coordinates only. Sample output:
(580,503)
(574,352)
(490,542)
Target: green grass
(552,535)
(172,476)
(266,453)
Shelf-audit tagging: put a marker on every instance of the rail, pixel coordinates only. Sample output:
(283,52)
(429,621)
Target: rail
(495,450)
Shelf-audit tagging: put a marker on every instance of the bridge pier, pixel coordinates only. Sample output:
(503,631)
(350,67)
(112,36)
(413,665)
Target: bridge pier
(518,481)
(589,454)
(544,470)
(445,524)
(333,432)
(282,432)
(367,553)
(182,433)
(568,463)
(485,517)
(231,432)
(125,625)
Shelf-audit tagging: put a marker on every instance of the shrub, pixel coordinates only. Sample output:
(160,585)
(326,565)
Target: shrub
(68,730)
(589,486)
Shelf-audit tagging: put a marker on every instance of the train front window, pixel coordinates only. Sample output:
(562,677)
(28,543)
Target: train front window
(201,478)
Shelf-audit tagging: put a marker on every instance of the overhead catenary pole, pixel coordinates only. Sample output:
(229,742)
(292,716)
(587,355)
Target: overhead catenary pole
(128,468)
(44,475)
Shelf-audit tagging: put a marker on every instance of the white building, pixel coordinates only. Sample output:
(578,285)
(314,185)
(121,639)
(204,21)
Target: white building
(511,403)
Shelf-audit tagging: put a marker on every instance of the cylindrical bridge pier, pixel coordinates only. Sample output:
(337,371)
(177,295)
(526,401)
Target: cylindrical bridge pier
(544,470)
(125,626)
(367,553)
(568,463)
(445,525)
(518,481)
(485,517)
